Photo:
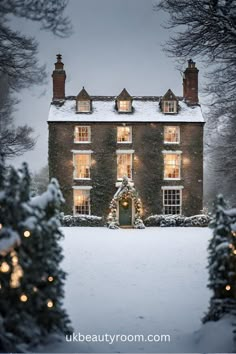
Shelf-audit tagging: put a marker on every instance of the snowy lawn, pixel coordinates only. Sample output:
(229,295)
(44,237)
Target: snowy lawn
(150,281)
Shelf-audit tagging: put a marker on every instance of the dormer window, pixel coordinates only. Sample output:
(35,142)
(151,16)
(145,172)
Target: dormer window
(169,103)
(83,102)
(124,106)
(169,107)
(124,102)
(83,106)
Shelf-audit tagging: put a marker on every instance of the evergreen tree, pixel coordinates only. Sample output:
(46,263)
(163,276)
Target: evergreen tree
(30,275)
(221,264)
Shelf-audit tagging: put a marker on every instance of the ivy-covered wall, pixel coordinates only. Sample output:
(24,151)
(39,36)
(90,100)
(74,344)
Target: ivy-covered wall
(147,165)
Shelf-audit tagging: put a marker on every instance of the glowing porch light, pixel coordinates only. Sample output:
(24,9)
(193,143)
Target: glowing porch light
(228,287)
(50,279)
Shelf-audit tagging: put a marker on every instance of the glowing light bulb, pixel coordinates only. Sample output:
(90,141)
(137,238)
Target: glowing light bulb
(234,251)
(0,226)
(50,279)
(5,267)
(228,287)
(27,233)
(23,298)
(14,260)
(35,289)
(49,304)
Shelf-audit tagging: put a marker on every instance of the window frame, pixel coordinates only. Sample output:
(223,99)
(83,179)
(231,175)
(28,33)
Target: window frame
(82,189)
(125,152)
(171,142)
(169,152)
(89,134)
(180,205)
(84,152)
(131,135)
(83,102)
(129,102)
(168,112)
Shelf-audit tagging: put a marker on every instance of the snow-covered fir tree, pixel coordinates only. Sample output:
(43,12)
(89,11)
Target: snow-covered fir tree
(222,263)
(31,278)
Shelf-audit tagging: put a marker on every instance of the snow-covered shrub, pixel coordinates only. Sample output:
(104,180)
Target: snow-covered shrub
(168,221)
(138,223)
(153,220)
(113,225)
(197,220)
(177,220)
(82,220)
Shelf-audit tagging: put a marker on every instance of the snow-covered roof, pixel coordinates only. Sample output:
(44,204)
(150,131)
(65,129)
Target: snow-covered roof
(144,110)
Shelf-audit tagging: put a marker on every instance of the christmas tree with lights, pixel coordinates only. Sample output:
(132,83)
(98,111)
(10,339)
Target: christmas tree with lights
(31,280)
(222,263)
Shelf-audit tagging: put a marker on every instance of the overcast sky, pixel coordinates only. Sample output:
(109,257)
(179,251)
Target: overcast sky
(115,44)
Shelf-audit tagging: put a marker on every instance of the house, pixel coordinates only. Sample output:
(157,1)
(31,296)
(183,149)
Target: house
(156,142)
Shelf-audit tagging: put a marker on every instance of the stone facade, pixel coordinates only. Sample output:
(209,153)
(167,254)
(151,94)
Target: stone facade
(148,144)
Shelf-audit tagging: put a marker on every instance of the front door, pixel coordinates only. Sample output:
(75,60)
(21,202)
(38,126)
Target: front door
(125,212)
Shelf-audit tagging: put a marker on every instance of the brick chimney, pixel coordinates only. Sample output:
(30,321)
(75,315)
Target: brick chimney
(59,78)
(190,83)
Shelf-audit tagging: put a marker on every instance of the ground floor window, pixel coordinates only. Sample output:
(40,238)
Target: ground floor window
(172,201)
(81,202)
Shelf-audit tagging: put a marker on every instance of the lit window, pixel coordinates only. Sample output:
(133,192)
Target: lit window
(169,106)
(81,202)
(172,135)
(83,106)
(124,134)
(82,163)
(124,106)
(124,166)
(172,200)
(82,134)
(172,166)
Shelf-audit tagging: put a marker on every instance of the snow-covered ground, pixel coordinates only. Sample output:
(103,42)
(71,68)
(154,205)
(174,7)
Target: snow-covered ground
(130,282)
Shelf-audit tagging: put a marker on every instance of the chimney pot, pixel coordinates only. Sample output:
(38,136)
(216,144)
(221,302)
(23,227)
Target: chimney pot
(59,78)
(190,83)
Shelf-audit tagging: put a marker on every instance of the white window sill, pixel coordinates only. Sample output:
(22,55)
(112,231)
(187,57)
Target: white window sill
(172,179)
(82,179)
(86,188)
(82,142)
(77,215)
(124,142)
(172,143)
(172,187)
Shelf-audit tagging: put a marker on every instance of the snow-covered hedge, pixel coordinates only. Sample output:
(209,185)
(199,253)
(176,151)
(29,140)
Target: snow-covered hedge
(82,220)
(177,220)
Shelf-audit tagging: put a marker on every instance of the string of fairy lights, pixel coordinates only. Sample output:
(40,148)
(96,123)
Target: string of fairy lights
(231,246)
(17,274)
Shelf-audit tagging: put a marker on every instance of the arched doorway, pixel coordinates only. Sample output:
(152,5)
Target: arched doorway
(125,207)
